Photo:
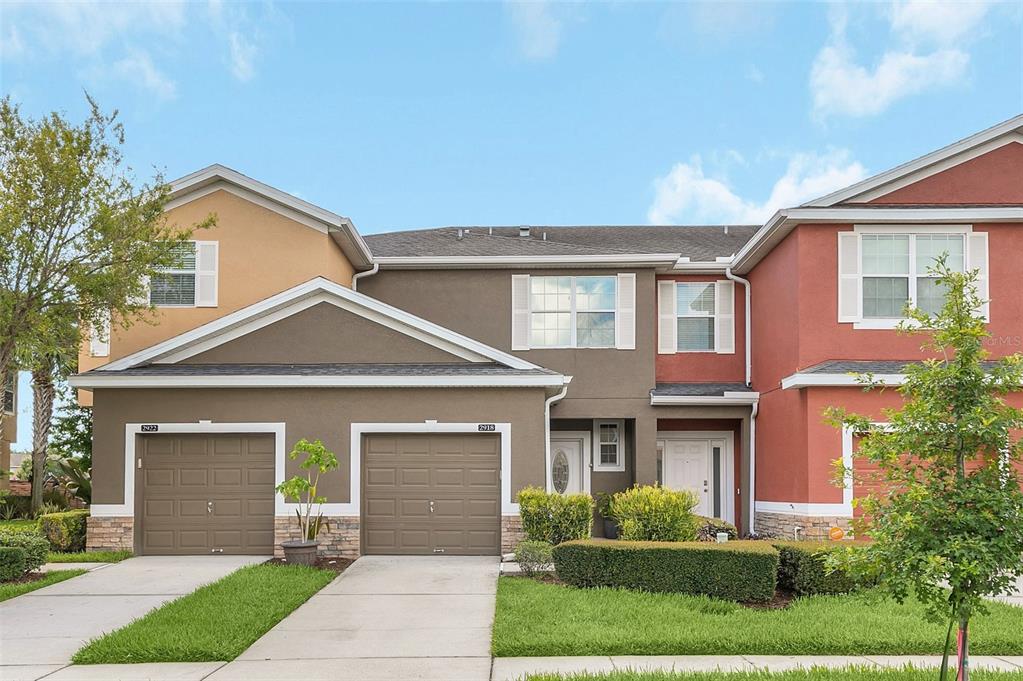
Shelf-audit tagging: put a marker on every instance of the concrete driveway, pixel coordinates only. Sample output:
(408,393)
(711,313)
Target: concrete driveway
(40,631)
(387,617)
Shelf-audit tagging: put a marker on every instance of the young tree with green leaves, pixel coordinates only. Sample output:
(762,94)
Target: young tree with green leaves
(79,237)
(949,527)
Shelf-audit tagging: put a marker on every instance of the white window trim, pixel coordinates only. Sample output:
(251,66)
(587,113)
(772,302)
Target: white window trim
(177,270)
(573,342)
(726,439)
(713,317)
(619,466)
(573,436)
(887,323)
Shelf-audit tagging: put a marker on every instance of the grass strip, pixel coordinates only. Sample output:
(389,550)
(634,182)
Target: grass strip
(813,674)
(216,622)
(12,589)
(536,619)
(88,557)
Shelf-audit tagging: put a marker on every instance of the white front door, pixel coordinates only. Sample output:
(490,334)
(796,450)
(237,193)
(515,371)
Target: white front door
(567,461)
(688,465)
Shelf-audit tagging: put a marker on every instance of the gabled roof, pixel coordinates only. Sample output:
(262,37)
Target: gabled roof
(301,297)
(218,177)
(1007,132)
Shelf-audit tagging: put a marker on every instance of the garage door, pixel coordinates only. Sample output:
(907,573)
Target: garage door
(204,493)
(432,494)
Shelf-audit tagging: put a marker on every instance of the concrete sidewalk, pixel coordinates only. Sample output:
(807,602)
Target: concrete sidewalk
(41,630)
(387,617)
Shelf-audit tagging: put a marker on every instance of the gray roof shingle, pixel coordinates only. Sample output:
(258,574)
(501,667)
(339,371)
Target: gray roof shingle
(699,243)
(862,366)
(698,389)
(454,369)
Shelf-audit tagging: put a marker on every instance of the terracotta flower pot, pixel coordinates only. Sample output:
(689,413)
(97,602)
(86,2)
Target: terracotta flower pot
(300,552)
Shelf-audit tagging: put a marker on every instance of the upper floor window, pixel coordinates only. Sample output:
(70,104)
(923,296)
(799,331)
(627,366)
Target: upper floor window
(192,281)
(695,310)
(10,390)
(596,311)
(695,316)
(882,270)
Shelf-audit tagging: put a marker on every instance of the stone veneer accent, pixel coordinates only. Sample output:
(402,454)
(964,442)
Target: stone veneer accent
(338,537)
(782,525)
(110,533)
(511,532)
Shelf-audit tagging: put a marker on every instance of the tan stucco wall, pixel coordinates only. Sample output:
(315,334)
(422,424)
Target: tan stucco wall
(261,253)
(324,333)
(326,414)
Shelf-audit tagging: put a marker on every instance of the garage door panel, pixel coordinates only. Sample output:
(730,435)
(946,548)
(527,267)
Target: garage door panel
(228,446)
(160,477)
(193,445)
(227,477)
(193,477)
(159,508)
(458,472)
(191,508)
(260,477)
(259,507)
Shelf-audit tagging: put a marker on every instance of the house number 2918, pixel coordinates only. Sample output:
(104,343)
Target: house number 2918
(486,427)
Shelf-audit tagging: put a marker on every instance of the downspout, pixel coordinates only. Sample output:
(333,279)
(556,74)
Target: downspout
(547,430)
(359,275)
(748,322)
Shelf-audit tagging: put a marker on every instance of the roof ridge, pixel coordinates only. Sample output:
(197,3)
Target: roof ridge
(532,240)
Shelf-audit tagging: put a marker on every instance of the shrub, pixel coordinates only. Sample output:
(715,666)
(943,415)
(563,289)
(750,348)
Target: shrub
(534,557)
(555,518)
(34,545)
(802,569)
(735,571)
(653,513)
(65,531)
(707,529)
(12,563)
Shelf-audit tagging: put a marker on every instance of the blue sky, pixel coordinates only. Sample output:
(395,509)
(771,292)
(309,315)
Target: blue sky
(415,115)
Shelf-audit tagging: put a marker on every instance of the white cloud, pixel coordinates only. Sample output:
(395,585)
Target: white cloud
(688,195)
(243,55)
(537,28)
(941,23)
(139,68)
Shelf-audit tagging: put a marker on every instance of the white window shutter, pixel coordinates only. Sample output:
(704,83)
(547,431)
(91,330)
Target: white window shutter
(520,312)
(206,256)
(99,339)
(977,259)
(724,317)
(625,312)
(667,323)
(849,299)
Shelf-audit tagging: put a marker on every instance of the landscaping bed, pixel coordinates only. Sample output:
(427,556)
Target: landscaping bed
(35,580)
(216,622)
(813,674)
(537,619)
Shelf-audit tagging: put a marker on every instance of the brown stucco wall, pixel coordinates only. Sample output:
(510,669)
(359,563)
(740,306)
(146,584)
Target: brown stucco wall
(315,413)
(477,303)
(324,333)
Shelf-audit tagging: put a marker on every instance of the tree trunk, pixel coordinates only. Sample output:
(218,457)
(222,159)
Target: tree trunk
(42,415)
(964,650)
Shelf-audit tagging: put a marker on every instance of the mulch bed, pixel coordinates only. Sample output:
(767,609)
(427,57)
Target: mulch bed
(338,565)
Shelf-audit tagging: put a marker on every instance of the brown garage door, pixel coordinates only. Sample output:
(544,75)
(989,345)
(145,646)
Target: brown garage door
(426,494)
(204,493)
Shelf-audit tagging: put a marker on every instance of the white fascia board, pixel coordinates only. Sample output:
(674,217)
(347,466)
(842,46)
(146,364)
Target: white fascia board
(178,345)
(511,261)
(702,267)
(924,166)
(728,399)
(798,380)
(93,380)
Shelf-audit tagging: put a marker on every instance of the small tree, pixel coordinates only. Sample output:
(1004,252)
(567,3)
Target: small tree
(303,490)
(949,527)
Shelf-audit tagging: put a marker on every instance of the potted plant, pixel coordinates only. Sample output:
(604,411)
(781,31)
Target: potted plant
(604,509)
(302,490)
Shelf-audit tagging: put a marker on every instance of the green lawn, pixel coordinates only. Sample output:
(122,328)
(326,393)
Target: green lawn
(535,619)
(815,674)
(215,622)
(88,557)
(12,589)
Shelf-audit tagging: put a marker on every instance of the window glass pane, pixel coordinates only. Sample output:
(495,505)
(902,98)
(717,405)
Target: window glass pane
(695,333)
(550,329)
(885,253)
(929,247)
(551,294)
(885,297)
(185,255)
(930,295)
(608,437)
(172,289)
(595,329)
(595,293)
(695,299)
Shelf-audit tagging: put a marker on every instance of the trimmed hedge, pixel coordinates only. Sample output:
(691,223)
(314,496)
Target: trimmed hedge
(555,518)
(802,568)
(34,545)
(653,513)
(12,563)
(735,571)
(65,531)
(707,529)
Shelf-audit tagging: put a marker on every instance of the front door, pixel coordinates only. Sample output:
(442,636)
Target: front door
(687,465)
(567,465)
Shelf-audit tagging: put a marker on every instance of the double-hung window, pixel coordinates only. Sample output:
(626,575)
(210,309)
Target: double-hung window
(609,445)
(572,312)
(191,280)
(695,316)
(695,311)
(10,390)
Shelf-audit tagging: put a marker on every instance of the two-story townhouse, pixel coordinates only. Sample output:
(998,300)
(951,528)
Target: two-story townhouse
(451,367)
